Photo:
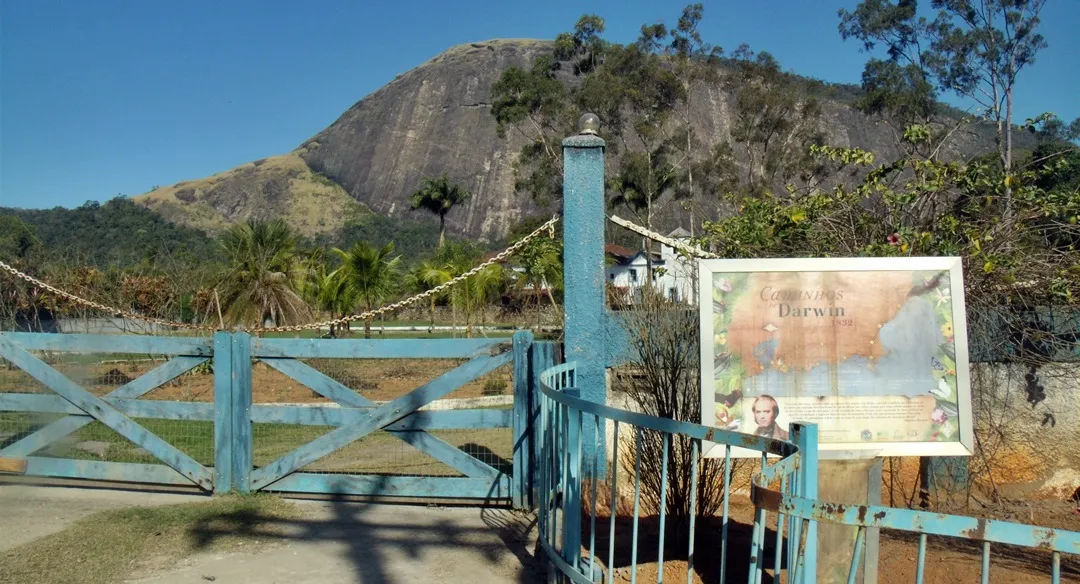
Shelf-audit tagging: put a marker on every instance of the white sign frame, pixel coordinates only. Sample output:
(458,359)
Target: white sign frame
(964,446)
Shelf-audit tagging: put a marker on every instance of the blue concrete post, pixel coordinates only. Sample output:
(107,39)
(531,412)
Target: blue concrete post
(583,262)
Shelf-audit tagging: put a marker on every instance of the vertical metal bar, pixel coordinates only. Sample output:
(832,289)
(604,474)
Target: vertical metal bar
(854,569)
(564,461)
(637,498)
(665,441)
(724,522)
(1055,568)
(986,563)
(545,463)
(757,548)
(595,482)
(572,490)
(920,569)
(779,532)
(614,505)
(693,510)
(807,441)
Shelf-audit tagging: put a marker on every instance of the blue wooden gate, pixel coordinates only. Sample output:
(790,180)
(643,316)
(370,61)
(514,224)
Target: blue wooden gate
(219,450)
(354,417)
(71,407)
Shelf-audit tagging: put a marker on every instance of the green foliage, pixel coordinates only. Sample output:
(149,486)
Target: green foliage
(116,233)
(438,196)
(368,276)
(263,276)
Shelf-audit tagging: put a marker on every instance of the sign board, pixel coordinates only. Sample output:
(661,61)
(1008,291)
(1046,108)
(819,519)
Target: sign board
(872,350)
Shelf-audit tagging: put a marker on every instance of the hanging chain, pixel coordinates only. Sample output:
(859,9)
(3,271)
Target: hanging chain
(98,306)
(548,227)
(690,249)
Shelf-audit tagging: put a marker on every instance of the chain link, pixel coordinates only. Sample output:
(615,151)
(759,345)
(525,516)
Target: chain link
(690,249)
(549,227)
(98,306)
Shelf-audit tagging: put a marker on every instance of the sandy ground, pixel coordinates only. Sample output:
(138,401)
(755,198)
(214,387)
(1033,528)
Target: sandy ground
(333,541)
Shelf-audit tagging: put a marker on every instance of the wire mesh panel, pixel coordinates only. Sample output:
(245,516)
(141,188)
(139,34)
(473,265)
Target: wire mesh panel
(168,396)
(447,416)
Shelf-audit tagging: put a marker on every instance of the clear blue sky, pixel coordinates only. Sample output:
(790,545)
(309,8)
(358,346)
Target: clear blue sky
(107,97)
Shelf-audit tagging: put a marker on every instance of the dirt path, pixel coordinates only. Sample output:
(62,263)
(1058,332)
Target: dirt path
(332,541)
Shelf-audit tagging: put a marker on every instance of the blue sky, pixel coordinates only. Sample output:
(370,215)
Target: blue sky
(107,97)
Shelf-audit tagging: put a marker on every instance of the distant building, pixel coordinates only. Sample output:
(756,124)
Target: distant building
(673,275)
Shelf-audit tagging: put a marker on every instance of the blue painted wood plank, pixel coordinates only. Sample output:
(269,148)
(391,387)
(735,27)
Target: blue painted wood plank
(104,471)
(223,432)
(108,415)
(447,454)
(522,459)
(111,343)
(155,409)
(240,405)
(380,349)
(396,486)
(337,416)
(316,380)
(381,416)
(133,389)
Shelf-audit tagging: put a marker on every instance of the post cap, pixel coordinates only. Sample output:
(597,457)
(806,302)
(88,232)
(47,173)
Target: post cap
(589,124)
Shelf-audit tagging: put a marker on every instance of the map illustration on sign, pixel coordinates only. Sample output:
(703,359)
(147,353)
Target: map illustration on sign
(871,350)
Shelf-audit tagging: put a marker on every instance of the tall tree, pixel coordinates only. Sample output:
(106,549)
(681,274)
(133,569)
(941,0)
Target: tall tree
(438,196)
(368,275)
(973,48)
(263,277)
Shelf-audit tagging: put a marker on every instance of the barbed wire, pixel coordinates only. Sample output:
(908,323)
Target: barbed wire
(548,226)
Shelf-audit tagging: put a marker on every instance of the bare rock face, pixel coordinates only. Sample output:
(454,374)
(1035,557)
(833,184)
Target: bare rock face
(433,119)
(437,119)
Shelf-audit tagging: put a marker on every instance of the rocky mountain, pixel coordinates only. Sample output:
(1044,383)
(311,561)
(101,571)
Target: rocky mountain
(431,120)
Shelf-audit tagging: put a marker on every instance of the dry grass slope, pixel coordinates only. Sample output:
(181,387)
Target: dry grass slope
(279,186)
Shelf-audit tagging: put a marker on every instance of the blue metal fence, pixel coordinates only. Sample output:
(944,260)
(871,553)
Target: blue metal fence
(785,485)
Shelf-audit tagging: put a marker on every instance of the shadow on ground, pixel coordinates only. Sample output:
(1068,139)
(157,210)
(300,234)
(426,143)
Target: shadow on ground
(396,543)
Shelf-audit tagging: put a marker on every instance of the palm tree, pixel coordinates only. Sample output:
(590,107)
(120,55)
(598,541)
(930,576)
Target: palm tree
(438,196)
(541,259)
(324,290)
(368,275)
(263,276)
(487,287)
(428,275)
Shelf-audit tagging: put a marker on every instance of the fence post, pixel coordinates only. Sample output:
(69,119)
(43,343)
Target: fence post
(240,415)
(223,477)
(806,438)
(541,356)
(521,484)
(583,265)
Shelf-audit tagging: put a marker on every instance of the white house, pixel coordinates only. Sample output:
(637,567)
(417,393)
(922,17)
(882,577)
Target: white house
(673,275)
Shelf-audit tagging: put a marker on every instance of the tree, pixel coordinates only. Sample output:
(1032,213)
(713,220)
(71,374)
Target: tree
(427,275)
(664,339)
(973,48)
(438,196)
(541,260)
(263,276)
(368,275)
